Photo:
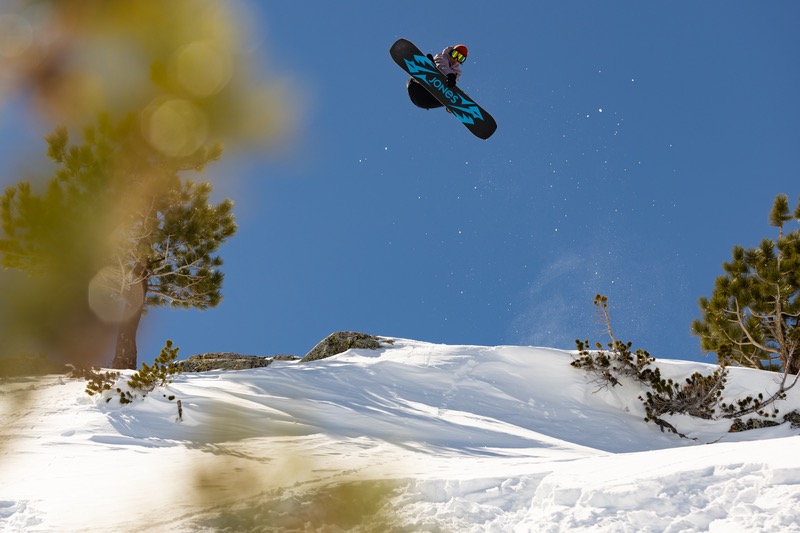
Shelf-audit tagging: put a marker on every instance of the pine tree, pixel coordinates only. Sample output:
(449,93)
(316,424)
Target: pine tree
(751,318)
(142,234)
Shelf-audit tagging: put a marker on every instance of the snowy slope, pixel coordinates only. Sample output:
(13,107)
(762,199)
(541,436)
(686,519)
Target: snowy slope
(458,438)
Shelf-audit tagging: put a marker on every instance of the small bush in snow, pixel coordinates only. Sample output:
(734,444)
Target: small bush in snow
(757,405)
(607,365)
(160,374)
(619,360)
(99,382)
(698,397)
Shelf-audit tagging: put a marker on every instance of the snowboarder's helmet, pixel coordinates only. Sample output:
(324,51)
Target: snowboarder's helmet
(459,53)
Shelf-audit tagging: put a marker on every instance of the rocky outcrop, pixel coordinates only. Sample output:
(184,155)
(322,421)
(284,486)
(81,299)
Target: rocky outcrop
(333,344)
(339,342)
(228,361)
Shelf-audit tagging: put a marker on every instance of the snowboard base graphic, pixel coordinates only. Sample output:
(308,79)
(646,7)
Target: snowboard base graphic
(424,72)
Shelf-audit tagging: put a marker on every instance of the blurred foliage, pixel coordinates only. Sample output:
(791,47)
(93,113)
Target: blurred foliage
(23,364)
(356,506)
(184,64)
(118,219)
(172,80)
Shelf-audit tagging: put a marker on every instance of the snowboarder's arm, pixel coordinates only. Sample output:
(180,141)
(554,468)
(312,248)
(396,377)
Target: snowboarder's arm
(442,62)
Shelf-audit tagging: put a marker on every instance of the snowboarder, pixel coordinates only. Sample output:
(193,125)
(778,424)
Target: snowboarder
(449,63)
(433,84)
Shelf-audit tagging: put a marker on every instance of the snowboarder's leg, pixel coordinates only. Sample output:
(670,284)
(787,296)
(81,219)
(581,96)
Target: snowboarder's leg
(420,96)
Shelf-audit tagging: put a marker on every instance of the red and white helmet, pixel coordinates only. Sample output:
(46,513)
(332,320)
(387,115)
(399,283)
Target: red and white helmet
(459,53)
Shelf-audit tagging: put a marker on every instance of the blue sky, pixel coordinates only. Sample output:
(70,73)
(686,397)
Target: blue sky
(637,142)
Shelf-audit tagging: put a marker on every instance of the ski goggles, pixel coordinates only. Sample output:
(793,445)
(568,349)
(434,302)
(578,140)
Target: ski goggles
(458,56)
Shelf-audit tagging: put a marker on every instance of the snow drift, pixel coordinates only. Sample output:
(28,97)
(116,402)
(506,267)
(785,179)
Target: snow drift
(449,438)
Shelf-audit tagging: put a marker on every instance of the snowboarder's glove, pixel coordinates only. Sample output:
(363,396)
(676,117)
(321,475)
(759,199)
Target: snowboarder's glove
(451,80)
(429,56)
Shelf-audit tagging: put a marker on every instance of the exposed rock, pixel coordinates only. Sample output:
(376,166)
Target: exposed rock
(339,342)
(793,418)
(228,361)
(752,423)
(333,344)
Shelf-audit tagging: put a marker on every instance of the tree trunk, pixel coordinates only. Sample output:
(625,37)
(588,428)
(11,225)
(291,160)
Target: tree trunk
(125,353)
(793,367)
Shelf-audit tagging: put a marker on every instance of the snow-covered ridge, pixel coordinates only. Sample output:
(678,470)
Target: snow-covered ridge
(475,438)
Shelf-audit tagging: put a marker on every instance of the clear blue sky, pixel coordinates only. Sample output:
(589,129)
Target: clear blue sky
(637,142)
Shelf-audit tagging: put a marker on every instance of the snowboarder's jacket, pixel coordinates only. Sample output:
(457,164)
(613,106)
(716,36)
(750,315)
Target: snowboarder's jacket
(446,66)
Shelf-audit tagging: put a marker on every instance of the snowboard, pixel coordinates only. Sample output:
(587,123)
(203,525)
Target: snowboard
(424,72)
